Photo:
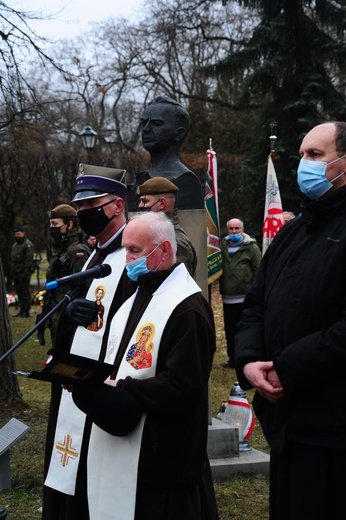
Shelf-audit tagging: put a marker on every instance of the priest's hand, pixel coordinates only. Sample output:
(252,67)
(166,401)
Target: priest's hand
(81,311)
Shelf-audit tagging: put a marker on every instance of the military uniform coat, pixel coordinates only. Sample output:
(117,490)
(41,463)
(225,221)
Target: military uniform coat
(22,266)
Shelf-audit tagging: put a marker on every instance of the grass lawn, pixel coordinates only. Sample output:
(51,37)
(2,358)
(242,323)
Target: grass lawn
(241,498)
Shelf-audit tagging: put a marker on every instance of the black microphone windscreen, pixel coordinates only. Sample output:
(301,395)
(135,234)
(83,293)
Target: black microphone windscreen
(105,270)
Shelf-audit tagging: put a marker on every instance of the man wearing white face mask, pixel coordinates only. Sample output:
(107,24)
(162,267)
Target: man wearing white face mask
(290,344)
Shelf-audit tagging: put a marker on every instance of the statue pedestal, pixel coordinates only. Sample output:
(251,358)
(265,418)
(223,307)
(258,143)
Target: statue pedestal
(194,223)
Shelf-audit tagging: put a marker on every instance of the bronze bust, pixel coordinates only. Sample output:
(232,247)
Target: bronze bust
(165,125)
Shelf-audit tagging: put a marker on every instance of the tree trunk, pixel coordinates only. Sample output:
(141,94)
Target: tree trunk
(9,387)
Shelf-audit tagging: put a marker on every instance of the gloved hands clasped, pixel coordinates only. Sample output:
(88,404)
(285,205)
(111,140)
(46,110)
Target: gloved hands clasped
(81,311)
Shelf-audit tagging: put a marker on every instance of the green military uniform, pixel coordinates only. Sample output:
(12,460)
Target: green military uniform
(186,253)
(69,254)
(70,261)
(22,265)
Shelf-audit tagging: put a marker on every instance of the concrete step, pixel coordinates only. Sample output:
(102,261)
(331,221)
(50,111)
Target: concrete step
(252,462)
(225,458)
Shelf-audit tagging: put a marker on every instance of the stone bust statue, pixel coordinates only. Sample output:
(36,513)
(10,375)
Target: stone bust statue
(165,125)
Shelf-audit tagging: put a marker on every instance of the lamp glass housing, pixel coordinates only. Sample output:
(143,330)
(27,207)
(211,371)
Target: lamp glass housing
(88,137)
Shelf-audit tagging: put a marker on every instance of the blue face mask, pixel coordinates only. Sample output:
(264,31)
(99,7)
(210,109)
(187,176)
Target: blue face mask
(139,266)
(235,238)
(312,178)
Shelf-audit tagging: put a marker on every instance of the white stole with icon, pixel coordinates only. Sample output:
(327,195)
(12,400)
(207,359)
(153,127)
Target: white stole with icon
(69,430)
(113,461)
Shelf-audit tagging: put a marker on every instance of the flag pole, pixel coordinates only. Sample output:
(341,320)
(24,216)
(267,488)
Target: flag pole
(214,255)
(273,139)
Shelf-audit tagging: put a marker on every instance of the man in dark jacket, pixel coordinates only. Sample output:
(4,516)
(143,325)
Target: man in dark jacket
(291,341)
(241,257)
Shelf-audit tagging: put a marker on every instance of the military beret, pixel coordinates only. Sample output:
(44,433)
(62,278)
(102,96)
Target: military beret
(97,181)
(157,185)
(63,211)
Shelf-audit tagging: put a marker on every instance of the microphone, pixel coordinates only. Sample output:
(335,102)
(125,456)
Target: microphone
(99,271)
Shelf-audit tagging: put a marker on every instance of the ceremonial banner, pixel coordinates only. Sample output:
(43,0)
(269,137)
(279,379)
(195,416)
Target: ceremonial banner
(214,255)
(273,216)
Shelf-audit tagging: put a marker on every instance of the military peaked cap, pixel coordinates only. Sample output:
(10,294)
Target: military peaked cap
(97,181)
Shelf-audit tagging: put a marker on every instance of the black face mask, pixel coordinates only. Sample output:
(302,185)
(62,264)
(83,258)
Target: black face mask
(55,234)
(94,220)
(147,208)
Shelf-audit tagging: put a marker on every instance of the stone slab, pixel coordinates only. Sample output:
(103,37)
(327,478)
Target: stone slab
(252,462)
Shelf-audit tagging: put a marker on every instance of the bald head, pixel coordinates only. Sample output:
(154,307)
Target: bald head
(327,143)
(235,226)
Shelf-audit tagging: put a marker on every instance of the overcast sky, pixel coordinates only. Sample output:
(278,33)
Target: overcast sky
(73,15)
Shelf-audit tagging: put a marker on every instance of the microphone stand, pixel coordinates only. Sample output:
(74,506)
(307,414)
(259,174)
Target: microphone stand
(67,297)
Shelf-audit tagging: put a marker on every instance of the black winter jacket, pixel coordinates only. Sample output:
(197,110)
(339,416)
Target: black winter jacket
(295,314)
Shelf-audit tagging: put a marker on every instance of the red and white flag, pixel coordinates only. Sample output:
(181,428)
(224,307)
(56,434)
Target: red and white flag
(273,215)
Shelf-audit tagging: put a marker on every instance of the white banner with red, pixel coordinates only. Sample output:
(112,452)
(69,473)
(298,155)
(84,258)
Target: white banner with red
(273,215)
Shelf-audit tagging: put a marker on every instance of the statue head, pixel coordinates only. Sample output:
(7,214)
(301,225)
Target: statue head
(165,124)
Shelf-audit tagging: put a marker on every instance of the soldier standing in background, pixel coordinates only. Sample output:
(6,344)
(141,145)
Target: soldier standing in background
(159,194)
(22,264)
(69,256)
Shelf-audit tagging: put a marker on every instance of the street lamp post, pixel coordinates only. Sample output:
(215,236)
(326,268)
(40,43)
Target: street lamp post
(88,137)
